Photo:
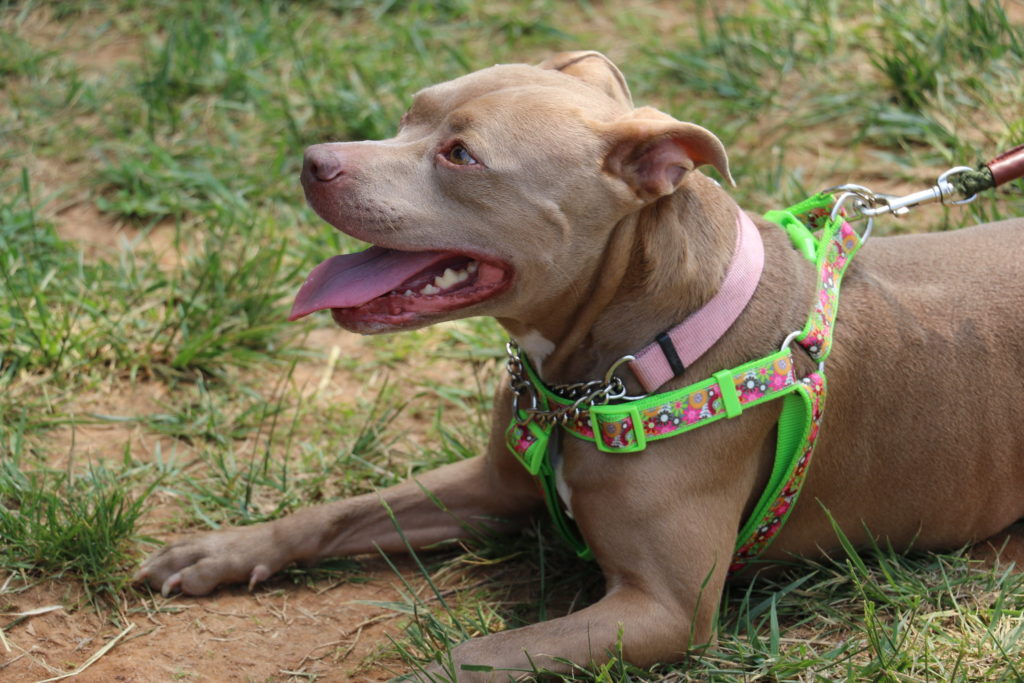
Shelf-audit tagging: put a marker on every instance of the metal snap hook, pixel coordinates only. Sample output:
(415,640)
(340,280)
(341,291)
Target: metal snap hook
(947,189)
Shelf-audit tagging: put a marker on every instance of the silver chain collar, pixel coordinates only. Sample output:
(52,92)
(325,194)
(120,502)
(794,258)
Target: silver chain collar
(583,395)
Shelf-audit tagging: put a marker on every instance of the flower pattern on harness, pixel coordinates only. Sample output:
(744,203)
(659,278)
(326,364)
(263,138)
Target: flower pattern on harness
(692,410)
(618,433)
(817,335)
(663,419)
(782,506)
(519,439)
(700,405)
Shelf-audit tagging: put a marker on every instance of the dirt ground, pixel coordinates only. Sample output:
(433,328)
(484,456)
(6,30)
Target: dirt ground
(280,632)
(283,631)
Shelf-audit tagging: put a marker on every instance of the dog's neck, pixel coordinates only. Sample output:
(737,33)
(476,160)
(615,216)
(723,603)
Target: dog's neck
(660,265)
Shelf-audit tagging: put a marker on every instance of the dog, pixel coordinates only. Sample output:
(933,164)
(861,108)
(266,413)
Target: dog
(540,196)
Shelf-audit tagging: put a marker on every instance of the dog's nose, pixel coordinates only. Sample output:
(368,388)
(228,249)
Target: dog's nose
(322,163)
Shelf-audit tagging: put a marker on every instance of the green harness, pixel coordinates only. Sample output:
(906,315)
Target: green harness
(626,425)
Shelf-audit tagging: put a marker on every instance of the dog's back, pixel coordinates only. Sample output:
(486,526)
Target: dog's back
(925,416)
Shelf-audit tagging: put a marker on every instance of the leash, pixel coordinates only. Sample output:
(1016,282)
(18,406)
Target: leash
(603,413)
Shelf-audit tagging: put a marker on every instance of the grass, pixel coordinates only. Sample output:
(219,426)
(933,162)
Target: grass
(80,527)
(152,233)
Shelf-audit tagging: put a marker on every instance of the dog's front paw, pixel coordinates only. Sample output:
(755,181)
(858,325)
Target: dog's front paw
(195,565)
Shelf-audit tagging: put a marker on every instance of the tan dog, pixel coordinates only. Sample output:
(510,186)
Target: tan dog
(580,223)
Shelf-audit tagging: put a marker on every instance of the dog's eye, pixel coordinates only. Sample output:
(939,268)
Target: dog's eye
(459,156)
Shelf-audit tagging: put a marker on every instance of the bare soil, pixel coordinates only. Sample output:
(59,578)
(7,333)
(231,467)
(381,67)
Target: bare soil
(280,632)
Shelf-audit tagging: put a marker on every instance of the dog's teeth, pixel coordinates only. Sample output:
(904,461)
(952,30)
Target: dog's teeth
(408,292)
(471,268)
(451,277)
(429,289)
(446,280)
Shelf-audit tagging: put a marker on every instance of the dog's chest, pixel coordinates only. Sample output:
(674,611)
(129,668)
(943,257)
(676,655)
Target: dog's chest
(561,485)
(536,346)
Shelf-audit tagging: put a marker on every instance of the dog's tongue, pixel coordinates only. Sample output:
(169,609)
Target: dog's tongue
(353,279)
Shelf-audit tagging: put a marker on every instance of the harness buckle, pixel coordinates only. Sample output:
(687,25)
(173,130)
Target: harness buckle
(618,432)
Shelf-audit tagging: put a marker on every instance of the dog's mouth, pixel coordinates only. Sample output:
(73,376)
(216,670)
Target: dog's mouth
(394,288)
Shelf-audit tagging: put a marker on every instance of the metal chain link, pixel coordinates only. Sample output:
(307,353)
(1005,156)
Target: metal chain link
(583,395)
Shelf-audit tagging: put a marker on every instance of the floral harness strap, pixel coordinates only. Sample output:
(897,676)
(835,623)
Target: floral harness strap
(627,427)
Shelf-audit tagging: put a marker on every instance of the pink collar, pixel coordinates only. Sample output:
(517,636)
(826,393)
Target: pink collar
(678,348)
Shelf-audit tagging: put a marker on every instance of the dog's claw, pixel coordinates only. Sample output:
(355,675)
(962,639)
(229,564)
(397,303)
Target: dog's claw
(259,574)
(171,585)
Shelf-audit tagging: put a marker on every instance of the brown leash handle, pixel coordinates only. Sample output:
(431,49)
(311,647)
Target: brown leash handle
(1006,167)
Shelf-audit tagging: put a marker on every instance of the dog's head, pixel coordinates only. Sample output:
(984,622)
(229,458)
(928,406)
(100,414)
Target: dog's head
(497,195)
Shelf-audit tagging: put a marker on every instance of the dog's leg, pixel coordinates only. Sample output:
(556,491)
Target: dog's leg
(492,492)
(664,587)
(1002,549)
(651,622)
(649,628)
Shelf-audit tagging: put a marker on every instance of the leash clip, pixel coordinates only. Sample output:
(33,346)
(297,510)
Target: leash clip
(943,191)
(865,203)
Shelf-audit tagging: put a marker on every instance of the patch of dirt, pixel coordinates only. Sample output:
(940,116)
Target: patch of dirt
(77,219)
(665,18)
(281,632)
(350,370)
(106,54)
(100,235)
(330,377)
(64,184)
(105,424)
(91,43)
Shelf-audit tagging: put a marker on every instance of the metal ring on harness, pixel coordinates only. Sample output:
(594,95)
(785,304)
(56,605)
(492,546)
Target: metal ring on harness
(610,379)
(789,340)
(869,199)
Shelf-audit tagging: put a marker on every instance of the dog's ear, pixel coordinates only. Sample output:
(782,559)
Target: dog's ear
(652,152)
(595,69)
